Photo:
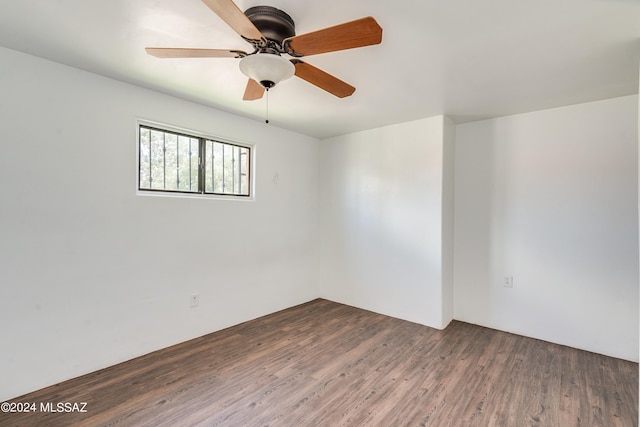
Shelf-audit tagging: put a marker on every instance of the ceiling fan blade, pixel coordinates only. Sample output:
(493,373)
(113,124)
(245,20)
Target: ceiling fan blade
(322,79)
(253,91)
(358,33)
(171,52)
(229,12)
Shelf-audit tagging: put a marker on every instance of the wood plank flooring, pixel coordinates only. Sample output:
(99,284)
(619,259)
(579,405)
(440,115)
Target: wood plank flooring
(327,364)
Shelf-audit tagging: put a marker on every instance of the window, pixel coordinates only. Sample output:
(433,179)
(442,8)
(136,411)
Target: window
(171,161)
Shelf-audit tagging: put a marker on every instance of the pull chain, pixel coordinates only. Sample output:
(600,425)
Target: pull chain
(267,120)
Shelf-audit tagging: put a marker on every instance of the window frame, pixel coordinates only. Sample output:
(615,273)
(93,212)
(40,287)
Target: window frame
(202,140)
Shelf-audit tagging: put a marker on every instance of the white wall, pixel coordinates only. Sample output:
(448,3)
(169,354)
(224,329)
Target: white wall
(92,274)
(381,220)
(550,197)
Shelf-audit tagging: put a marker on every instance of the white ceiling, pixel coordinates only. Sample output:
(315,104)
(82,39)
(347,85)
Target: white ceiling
(469,59)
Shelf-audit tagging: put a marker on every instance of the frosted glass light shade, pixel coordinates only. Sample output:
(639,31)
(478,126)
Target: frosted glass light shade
(266,68)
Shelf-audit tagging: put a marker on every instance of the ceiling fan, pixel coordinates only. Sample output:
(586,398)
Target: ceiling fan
(271,32)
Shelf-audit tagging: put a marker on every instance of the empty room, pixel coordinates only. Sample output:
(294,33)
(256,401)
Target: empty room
(285,213)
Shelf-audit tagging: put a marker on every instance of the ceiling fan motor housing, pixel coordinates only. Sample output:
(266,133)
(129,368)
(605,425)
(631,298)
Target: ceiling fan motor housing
(273,23)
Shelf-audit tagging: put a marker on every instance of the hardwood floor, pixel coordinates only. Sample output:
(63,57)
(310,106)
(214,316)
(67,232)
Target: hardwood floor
(327,364)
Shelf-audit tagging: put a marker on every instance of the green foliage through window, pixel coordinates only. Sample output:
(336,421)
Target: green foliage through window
(174,162)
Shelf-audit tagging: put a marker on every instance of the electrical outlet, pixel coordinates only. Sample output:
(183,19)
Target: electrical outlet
(195,300)
(508,281)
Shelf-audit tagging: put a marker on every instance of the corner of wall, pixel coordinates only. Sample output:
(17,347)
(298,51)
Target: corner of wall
(638,137)
(448,197)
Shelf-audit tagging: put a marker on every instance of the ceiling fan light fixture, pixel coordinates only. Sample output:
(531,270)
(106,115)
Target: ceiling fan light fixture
(267,69)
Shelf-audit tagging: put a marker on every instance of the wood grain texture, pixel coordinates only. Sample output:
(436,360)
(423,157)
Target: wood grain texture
(322,79)
(235,18)
(253,91)
(184,52)
(327,364)
(359,33)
